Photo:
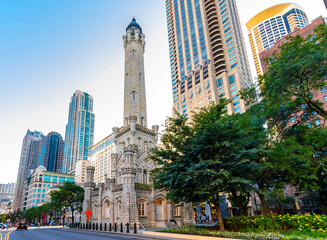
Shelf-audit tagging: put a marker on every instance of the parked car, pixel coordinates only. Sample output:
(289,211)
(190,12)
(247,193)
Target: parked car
(22,226)
(4,226)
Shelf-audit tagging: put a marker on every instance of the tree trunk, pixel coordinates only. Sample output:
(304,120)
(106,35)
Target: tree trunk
(220,218)
(297,206)
(72,215)
(322,201)
(239,204)
(263,204)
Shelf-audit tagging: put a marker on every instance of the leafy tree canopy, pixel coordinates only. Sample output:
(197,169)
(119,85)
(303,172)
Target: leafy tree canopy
(295,73)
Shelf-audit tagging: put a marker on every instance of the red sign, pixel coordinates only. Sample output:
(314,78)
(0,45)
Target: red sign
(88,213)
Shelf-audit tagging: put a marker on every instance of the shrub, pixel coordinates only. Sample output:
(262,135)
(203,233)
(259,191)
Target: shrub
(302,223)
(239,235)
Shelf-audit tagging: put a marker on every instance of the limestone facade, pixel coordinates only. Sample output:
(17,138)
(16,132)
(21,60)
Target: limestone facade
(126,195)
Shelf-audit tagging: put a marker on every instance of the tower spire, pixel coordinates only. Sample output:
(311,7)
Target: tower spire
(134,90)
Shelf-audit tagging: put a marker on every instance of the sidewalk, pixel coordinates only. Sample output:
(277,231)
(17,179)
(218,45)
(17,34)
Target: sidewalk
(151,234)
(183,236)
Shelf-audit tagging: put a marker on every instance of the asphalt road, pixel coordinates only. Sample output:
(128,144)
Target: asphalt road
(58,234)
(4,234)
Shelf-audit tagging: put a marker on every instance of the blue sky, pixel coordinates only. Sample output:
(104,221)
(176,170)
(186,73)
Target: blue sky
(49,49)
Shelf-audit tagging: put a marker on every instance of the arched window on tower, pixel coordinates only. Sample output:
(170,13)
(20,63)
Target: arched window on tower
(133,95)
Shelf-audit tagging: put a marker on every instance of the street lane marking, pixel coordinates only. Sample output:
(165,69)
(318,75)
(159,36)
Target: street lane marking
(7,235)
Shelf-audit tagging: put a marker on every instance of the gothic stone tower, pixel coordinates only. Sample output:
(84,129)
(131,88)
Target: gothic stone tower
(134,96)
(131,165)
(128,195)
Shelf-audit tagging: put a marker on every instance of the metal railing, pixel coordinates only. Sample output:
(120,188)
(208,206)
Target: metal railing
(115,227)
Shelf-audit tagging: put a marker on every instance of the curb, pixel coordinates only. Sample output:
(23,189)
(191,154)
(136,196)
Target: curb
(137,235)
(186,236)
(155,235)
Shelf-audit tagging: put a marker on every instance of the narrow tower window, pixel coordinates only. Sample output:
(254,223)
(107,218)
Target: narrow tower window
(133,94)
(145,177)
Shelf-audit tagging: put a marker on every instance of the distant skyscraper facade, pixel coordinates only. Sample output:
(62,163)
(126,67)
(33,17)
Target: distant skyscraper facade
(272,24)
(54,152)
(30,137)
(46,151)
(38,150)
(100,158)
(34,158)
(207,54)
(79,130)
(80,171)
(8,188)
(6,197)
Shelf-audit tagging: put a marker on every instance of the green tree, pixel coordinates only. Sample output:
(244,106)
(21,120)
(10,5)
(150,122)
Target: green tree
(278,202)
(57,203)
(314,170)
(294,74)
(29,214)
(69,197)
(3,218)
(215,153)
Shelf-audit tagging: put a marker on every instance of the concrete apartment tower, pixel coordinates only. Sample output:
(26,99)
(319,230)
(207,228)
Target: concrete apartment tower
(265,28)
(79,130)
(26,153)
(207,54)
(134,95)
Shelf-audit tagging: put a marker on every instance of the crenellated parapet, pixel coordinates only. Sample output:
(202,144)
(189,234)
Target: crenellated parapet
(145,130)
(135,36)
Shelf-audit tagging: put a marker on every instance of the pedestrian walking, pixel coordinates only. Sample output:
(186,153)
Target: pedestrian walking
(204,219)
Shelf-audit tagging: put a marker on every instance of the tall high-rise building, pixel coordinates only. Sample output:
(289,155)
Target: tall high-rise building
(6,197)
(34,155)
(207,54)
(38,150)
(46,151)
(30,137)
(8,188)
(54,152)
(265,28)
(100,158)
(79,130)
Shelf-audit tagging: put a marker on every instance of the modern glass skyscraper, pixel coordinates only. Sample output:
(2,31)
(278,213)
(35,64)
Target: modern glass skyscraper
(54,152)
(207,54)
(79,130)
(265,28)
